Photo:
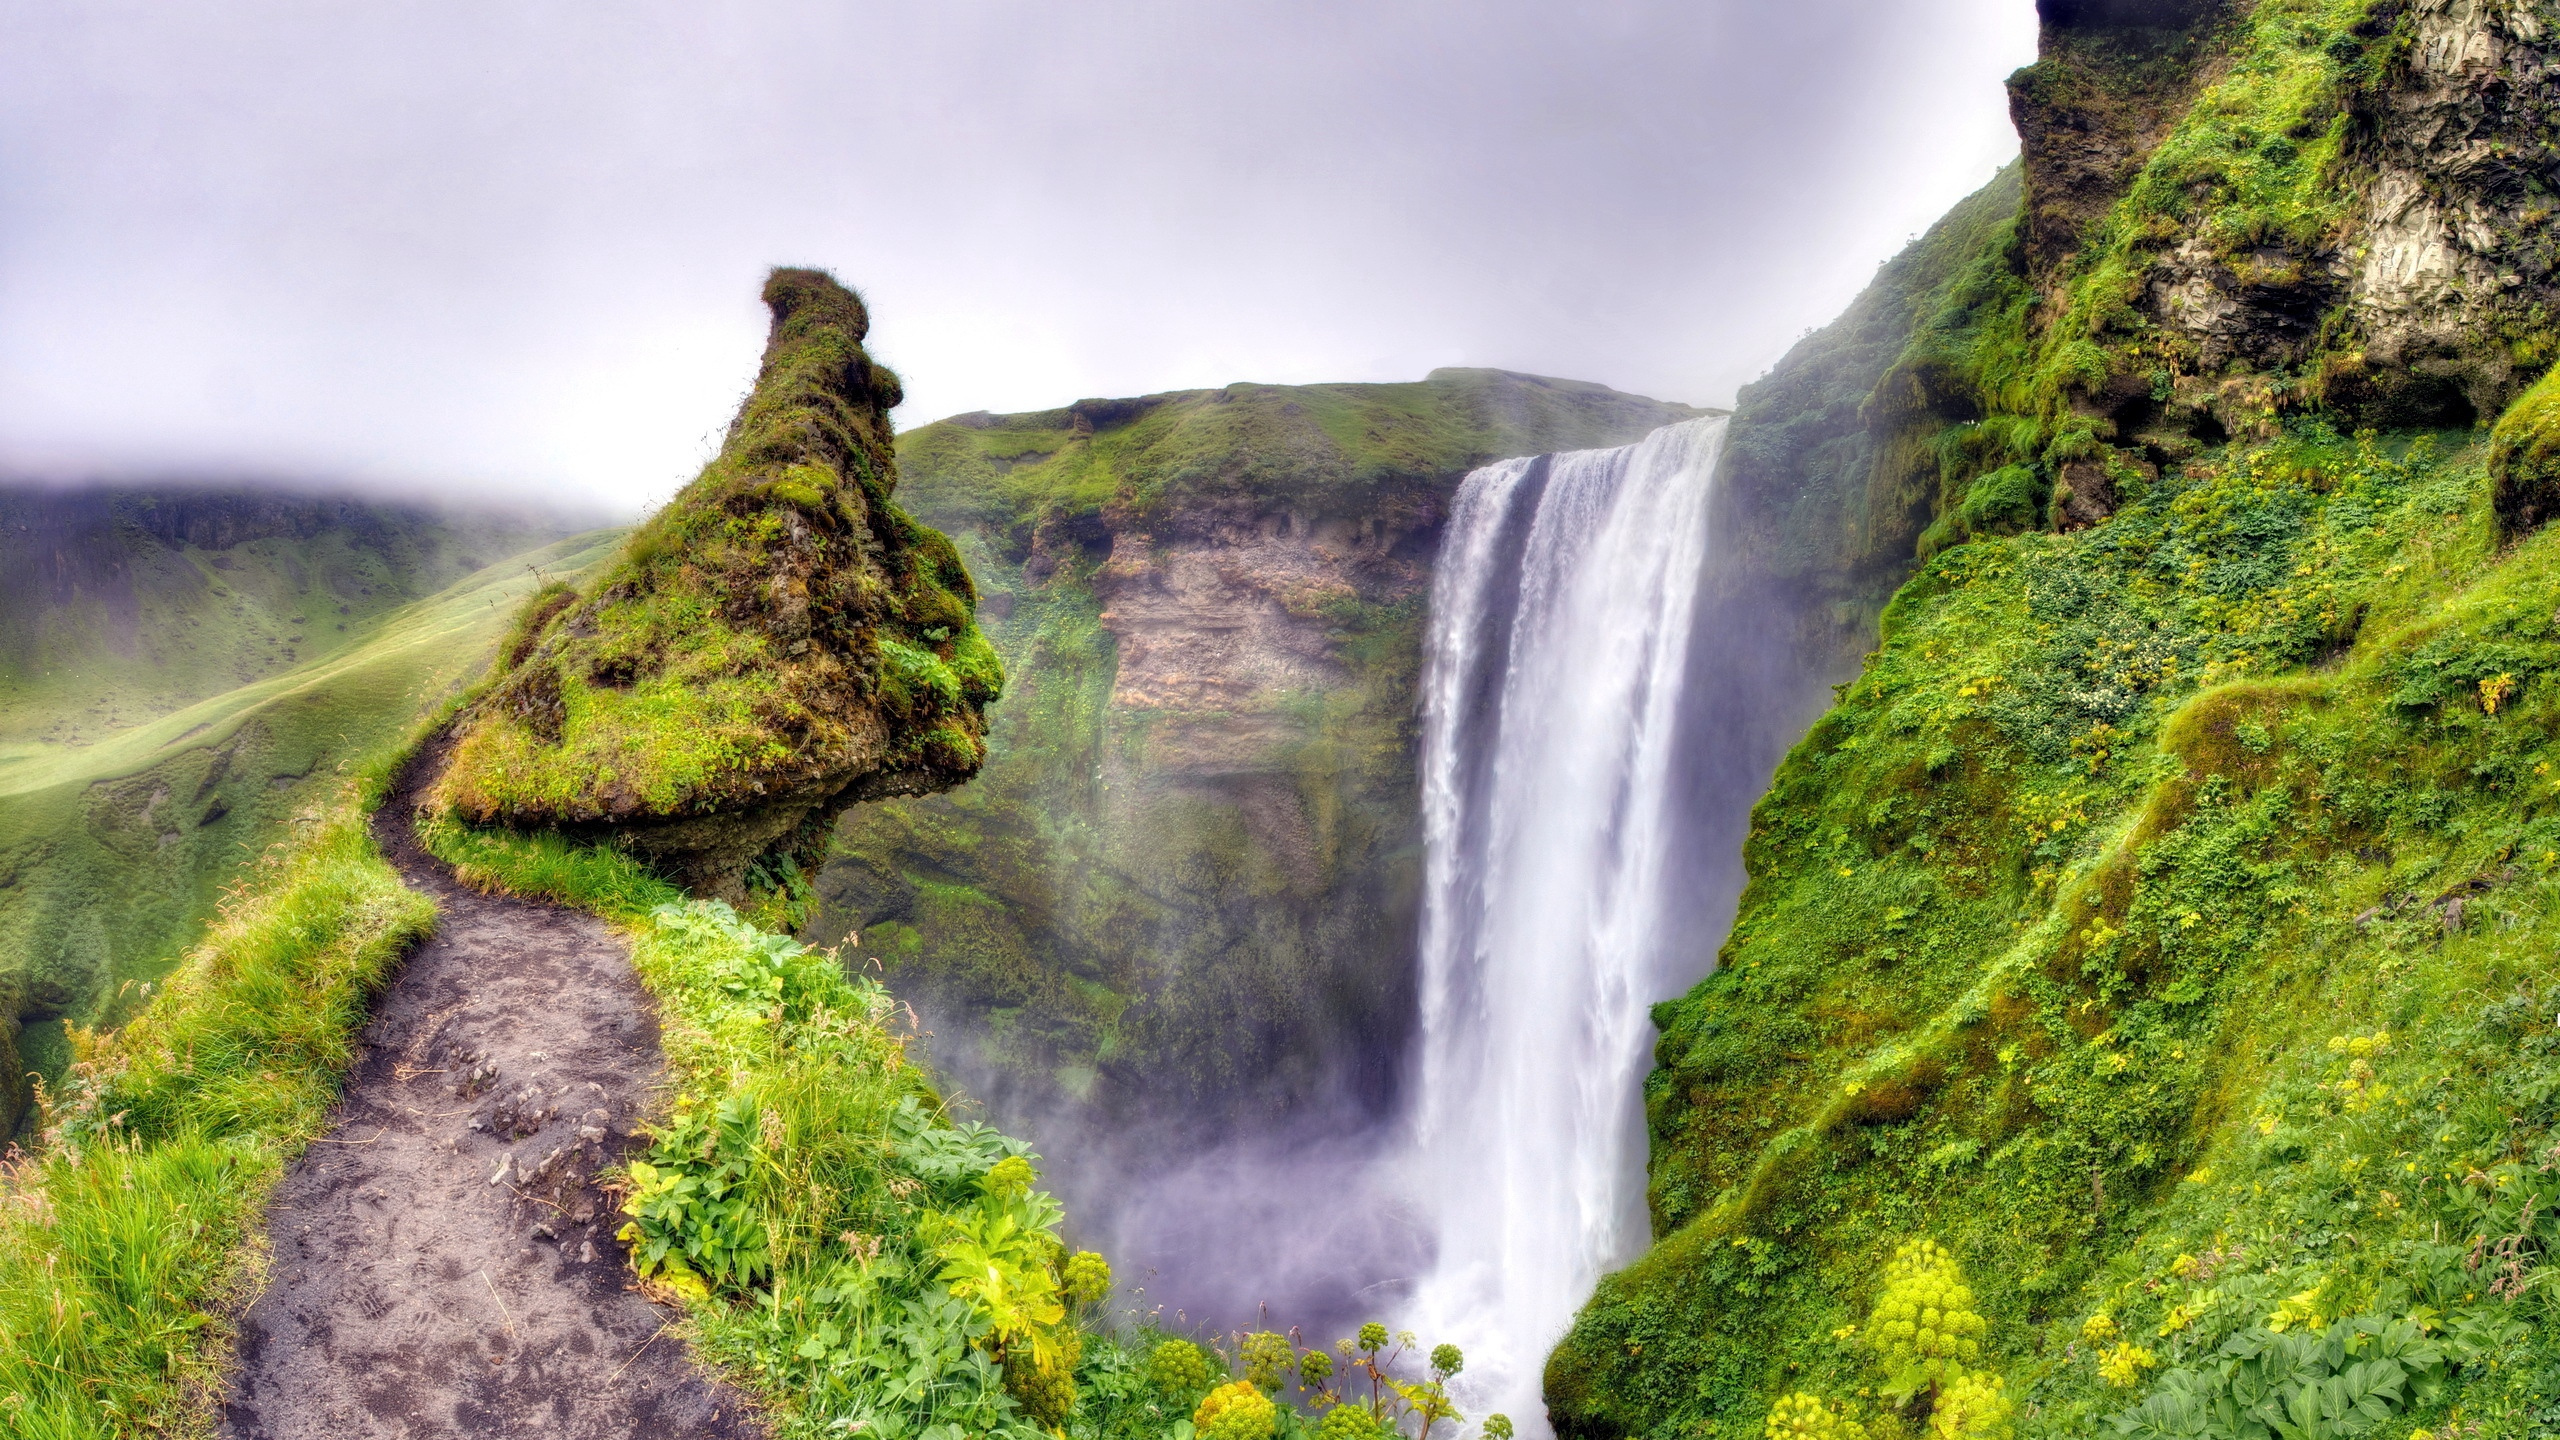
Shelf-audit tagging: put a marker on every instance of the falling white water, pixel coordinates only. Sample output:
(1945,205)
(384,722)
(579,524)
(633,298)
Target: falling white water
(1560,630)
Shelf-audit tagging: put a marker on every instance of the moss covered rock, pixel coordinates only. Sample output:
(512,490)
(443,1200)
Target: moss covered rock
(2524,458)
(778,643)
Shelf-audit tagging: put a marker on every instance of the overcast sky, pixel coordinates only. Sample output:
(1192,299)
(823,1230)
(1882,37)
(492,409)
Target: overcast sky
(516,246)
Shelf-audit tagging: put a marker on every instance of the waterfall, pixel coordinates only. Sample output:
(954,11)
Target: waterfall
(1560,633)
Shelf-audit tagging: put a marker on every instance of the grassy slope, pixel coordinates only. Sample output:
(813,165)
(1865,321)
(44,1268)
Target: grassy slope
(1087,914)
(114,852)
(132,604)
(1324,449)
(2161,919)
(130,1236)
(2053,924)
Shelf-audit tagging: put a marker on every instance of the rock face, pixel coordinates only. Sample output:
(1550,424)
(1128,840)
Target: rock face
(2451,270)
(2247,213)
(2112,77)
(779,643)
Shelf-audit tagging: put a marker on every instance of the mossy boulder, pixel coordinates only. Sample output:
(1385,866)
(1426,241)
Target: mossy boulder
(778,643)
(2524,458)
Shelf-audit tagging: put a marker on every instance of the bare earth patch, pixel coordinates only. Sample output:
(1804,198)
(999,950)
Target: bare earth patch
(444,1263)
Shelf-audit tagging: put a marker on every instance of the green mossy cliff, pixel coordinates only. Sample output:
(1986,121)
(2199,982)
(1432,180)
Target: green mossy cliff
(1190,868)
(2162,916)
(777,644)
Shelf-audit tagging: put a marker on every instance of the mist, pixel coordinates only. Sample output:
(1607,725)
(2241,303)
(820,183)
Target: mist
(514,249)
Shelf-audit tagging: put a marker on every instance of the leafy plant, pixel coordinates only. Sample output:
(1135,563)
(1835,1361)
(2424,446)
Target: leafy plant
(692,1221)
(2336,1385)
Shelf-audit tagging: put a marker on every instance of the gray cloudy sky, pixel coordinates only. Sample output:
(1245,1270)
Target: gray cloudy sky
(515,246)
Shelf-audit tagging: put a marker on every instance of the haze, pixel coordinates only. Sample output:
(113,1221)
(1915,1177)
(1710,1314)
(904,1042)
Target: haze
(515,248)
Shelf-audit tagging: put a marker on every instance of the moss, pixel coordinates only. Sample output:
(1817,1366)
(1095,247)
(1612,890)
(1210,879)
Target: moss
(2524,458)
(2052,924)
(778,642)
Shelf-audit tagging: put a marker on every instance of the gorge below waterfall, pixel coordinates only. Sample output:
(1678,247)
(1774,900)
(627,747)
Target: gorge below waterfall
(1558,876)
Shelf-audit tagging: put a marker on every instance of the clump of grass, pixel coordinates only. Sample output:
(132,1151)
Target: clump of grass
(131,1234)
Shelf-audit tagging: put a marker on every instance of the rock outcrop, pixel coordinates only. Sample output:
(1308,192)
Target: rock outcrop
(2453,269)
(780,642)
(2247,212)
(2111,78)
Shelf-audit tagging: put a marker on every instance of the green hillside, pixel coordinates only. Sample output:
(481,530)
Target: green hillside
(128,604)
(2161,919)
(113,853)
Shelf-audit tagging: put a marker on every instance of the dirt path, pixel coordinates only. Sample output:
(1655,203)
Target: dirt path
(442,1265)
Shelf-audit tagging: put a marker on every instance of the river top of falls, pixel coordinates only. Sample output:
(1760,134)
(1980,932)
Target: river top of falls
(1556,675)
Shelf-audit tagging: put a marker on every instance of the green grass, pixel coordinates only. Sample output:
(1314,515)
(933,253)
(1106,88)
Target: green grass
(134,1234)
(113,855)
(152,621)
(1318,449)
(2052,925)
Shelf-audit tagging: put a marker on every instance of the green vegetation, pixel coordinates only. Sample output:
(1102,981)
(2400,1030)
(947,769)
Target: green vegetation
(131,1236)
(2524,458)
(1369,451)
(114,854)
(2242,210)
(859,1257)
(127,605)
(776,642)
(2161,920)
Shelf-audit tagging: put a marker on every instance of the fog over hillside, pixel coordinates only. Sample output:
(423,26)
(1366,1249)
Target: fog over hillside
(504,247)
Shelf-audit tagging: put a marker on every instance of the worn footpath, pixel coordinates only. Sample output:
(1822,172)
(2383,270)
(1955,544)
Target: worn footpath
(443,1260)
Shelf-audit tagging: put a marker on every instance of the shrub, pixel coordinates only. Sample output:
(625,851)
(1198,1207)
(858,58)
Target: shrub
(1971,1407)
(1268,1359)
(1180,1369)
